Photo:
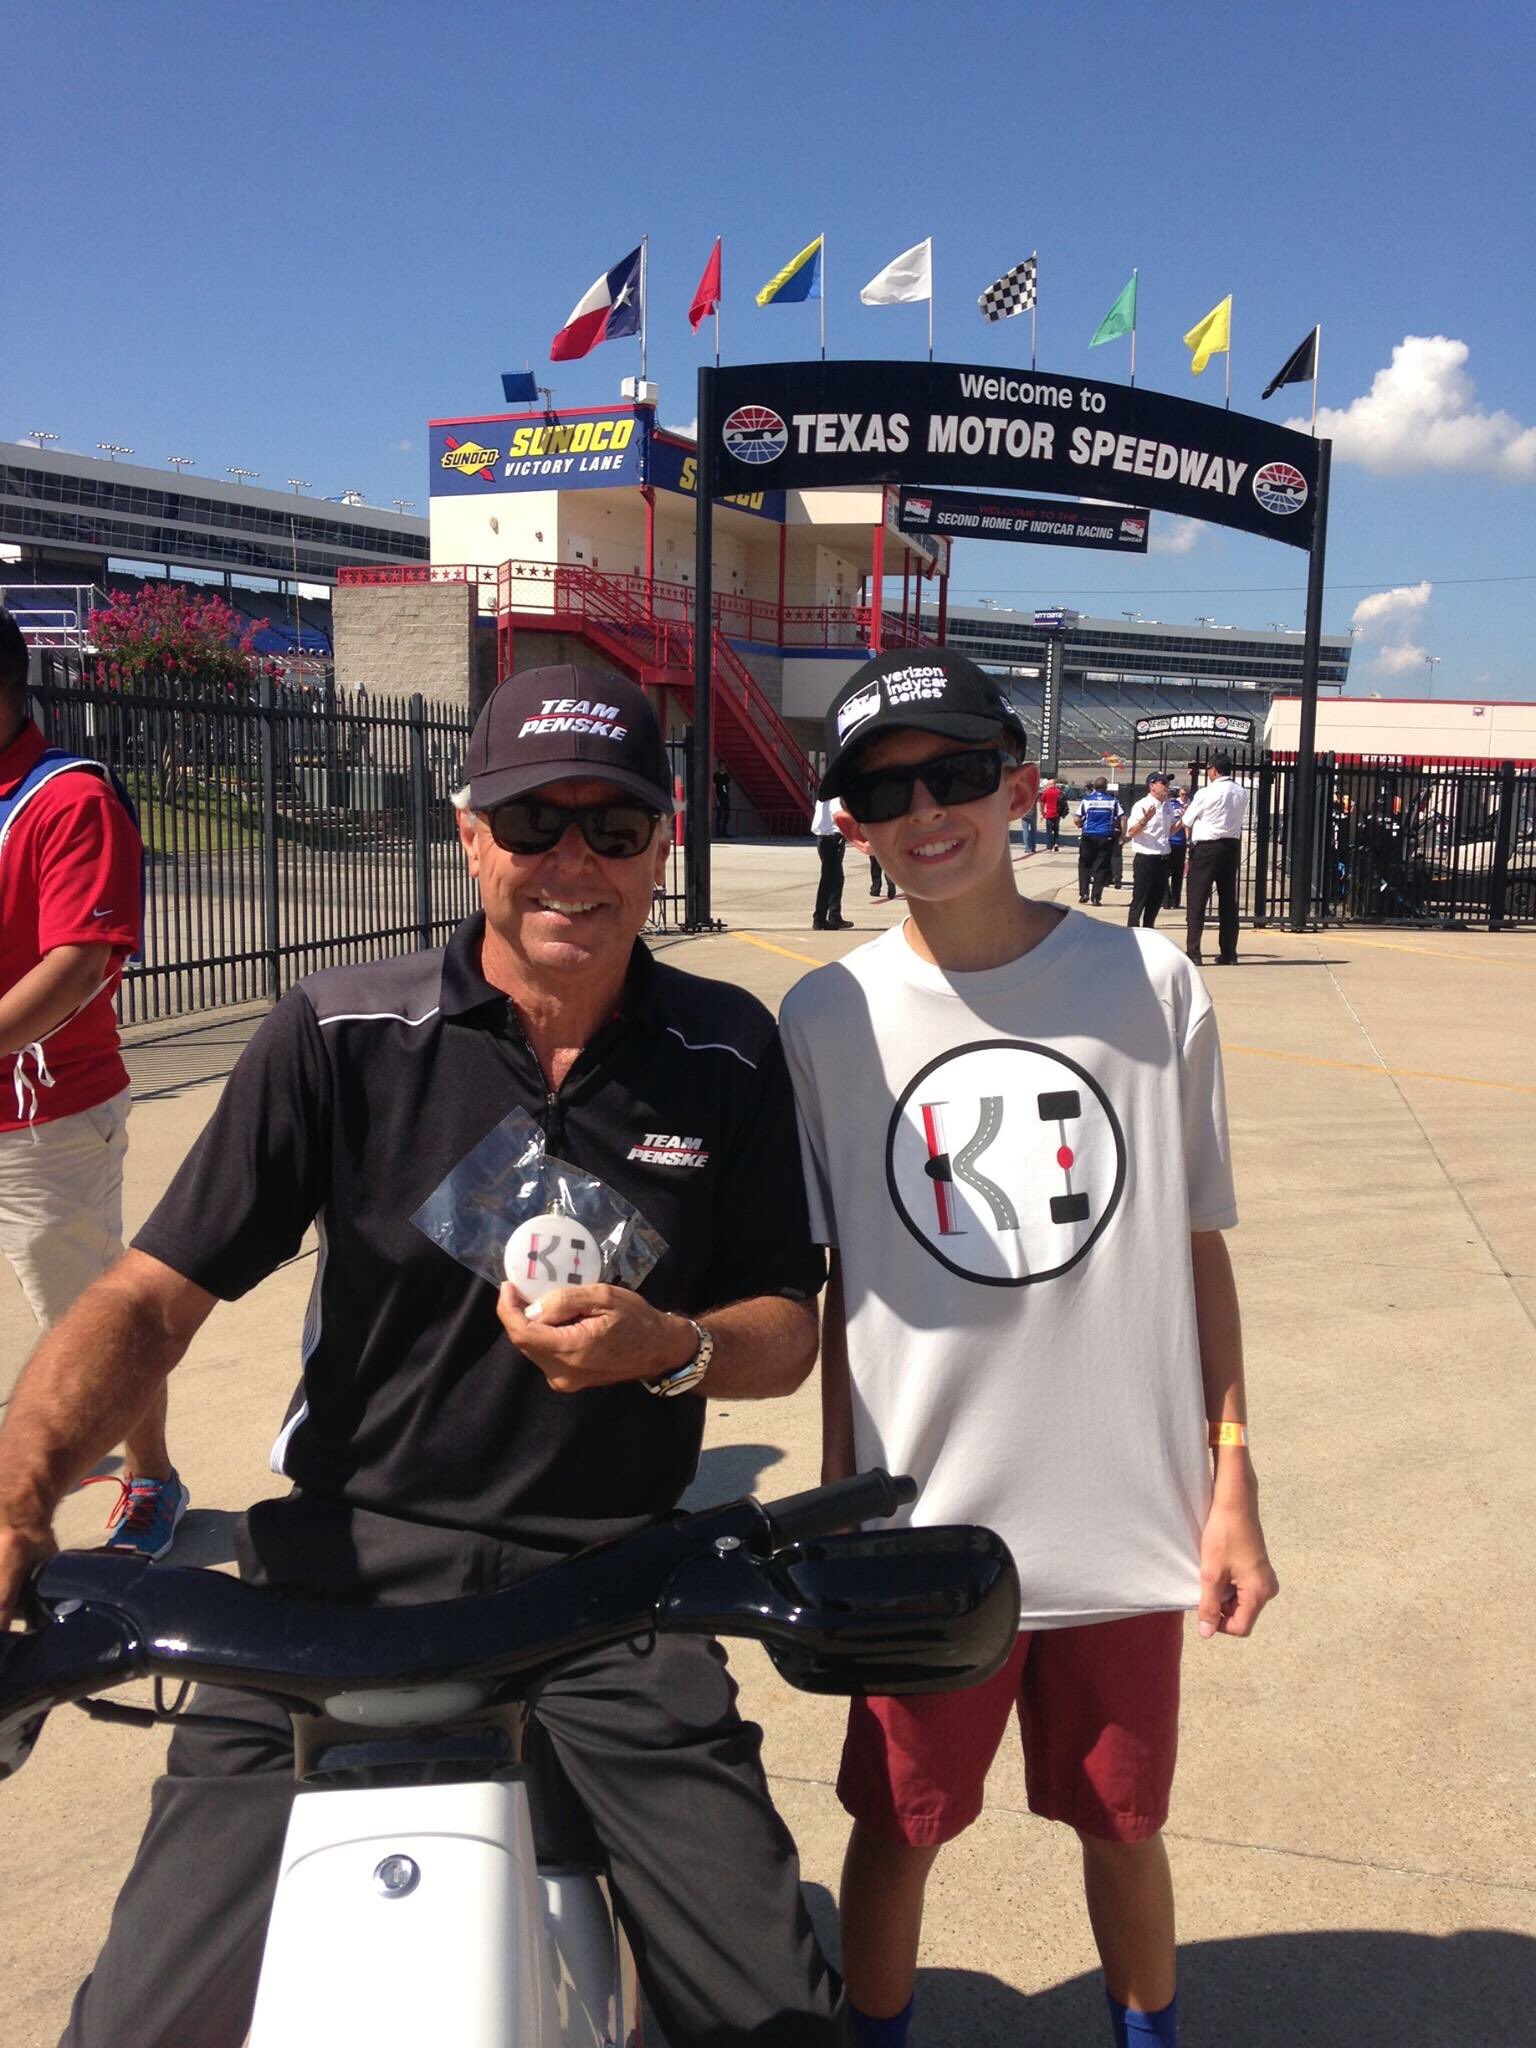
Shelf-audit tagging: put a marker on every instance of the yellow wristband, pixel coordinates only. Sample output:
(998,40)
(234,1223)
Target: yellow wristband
(1225,1434)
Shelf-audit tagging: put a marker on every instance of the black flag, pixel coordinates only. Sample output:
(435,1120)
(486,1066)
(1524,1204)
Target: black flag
(1299,368)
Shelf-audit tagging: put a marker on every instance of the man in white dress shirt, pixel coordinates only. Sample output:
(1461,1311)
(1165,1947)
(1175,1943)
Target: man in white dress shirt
(1146,831)
(1213,820)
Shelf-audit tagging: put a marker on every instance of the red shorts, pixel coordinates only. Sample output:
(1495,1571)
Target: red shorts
(1098,1713)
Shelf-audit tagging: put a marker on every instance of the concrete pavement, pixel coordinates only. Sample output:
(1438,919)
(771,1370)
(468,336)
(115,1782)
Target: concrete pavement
(1351,1829)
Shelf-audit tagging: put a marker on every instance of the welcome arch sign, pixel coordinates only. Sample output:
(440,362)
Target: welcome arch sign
(815,425)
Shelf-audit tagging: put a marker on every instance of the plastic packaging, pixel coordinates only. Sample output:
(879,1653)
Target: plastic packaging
(511,1178)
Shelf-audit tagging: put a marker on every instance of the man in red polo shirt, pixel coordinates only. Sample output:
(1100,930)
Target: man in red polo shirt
(70,914)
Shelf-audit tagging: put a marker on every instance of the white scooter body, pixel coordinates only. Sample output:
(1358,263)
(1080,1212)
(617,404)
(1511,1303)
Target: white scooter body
(418,1913)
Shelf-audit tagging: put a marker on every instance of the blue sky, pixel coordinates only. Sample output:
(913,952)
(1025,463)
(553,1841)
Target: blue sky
(285,236)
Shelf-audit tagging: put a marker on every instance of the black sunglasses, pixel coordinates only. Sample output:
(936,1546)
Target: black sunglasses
(882,794)
(614,831)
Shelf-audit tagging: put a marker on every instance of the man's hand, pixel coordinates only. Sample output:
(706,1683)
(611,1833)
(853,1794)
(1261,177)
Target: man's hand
(1237,1581)
(584,1337)
(21,1552)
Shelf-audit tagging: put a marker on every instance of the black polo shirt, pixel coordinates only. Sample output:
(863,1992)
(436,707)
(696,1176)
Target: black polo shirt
(358,1094)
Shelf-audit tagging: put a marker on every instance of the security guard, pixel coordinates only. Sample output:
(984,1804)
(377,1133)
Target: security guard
(1098,822)
(434,1448)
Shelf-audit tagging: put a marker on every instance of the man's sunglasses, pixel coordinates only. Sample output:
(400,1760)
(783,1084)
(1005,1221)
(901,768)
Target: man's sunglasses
(614,831)
(882,794)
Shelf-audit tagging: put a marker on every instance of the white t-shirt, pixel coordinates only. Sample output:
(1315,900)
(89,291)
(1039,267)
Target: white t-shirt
(1150,816)
(1216,812)
(1010,1164)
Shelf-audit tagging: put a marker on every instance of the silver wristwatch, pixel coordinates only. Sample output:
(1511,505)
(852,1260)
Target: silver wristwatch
(682,1379)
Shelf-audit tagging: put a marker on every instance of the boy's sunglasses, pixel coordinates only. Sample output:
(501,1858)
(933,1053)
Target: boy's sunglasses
(614,831)
(886,793)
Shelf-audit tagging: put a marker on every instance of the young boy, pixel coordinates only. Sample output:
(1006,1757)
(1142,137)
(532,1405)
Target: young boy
(1016,1148)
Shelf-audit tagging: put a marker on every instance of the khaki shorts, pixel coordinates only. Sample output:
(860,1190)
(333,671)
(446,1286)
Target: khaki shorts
(61,1203)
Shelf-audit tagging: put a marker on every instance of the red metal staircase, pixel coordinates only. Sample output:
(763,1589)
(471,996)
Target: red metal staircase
(617,617)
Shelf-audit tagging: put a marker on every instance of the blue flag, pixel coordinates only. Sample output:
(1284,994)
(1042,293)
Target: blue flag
(520,387)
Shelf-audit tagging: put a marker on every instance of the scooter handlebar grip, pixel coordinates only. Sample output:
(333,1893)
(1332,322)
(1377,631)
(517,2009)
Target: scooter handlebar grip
(867,1496)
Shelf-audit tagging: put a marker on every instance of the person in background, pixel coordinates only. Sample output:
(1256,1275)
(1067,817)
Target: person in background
(877,877)
(71,913)
(722,801)
(1098,822)
(1051,803)
(1214,821)
(1178,842)
(1146,831)
(830,845)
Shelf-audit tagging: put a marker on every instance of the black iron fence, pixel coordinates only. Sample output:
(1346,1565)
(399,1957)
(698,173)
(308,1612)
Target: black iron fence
(283,832)
(1443,843)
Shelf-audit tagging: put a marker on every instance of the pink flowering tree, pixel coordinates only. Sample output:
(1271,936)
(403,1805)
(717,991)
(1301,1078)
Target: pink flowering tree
(179,642)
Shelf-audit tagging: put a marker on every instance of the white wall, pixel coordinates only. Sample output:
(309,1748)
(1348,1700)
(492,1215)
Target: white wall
(810,683)
(503,526)
(1412,726)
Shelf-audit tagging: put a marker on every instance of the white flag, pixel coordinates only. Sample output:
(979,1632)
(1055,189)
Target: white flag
(907,279)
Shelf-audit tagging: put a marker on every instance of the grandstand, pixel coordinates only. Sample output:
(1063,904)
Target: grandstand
(1115,671)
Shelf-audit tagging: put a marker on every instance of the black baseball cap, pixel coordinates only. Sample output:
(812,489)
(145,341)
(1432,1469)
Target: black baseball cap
(1158,775)
(921,689)
(556,724)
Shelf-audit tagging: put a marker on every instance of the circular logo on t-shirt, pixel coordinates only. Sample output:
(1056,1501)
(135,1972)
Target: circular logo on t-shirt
(1006,1161)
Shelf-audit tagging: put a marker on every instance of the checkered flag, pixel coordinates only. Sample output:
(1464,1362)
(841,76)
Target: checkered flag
(1014,292)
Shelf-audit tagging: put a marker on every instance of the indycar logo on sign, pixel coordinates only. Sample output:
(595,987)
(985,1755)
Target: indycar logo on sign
(753,433)
(1279,488)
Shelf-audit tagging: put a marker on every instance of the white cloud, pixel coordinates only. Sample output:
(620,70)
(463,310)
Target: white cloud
(1395,660)
(1383,605)
(406,447)
(1387,620)
(1175,536)
(1421,413)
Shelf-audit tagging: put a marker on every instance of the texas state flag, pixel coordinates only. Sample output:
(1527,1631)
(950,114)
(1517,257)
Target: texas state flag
(608,311)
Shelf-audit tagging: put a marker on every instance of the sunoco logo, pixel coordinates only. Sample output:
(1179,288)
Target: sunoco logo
(753,433)
(471,458)
(1279,488)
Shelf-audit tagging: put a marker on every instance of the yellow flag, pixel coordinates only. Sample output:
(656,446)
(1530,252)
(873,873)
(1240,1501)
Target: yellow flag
(1212,336)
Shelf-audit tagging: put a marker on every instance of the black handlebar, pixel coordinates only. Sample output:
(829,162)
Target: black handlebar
(108,1617)
(866,1497)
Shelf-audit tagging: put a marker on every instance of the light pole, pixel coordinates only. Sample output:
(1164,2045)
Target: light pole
(181,462)
(300,483)
(240,475)
(40,435)
(1432,662)
(112,449)
(403,505)
(1202,620)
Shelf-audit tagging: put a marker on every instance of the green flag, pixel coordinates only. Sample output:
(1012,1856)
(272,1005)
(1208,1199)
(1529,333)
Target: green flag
(1121,317)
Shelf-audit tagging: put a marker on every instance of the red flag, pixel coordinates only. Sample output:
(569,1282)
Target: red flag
(706,299)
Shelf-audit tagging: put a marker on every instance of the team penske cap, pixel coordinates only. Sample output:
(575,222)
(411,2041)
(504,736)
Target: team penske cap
(561,724)
(928,689)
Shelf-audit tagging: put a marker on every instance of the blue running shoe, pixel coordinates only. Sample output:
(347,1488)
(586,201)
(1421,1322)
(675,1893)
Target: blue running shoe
(146,1515)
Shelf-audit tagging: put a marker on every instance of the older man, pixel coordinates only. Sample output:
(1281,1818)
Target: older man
(442,1442)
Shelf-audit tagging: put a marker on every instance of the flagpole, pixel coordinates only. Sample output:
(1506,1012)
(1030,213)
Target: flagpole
(645,257)
(1229,359)
(822,309)
(1135,276)
(1317,350)
(930,301)
(1035,259)
(719,293)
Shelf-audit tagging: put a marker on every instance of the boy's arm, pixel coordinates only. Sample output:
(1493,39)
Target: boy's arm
(1237,1580)
(837,1457)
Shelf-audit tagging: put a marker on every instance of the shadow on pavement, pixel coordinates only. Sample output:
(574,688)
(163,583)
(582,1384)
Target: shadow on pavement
(727,1471)
(1355,1989)
(206,1536)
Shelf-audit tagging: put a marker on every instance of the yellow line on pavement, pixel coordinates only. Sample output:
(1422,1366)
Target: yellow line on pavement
(747,939)
(1429,952)
(1309,1059)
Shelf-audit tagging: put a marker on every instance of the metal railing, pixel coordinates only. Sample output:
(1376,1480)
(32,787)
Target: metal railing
(1440,843)
(285,831)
